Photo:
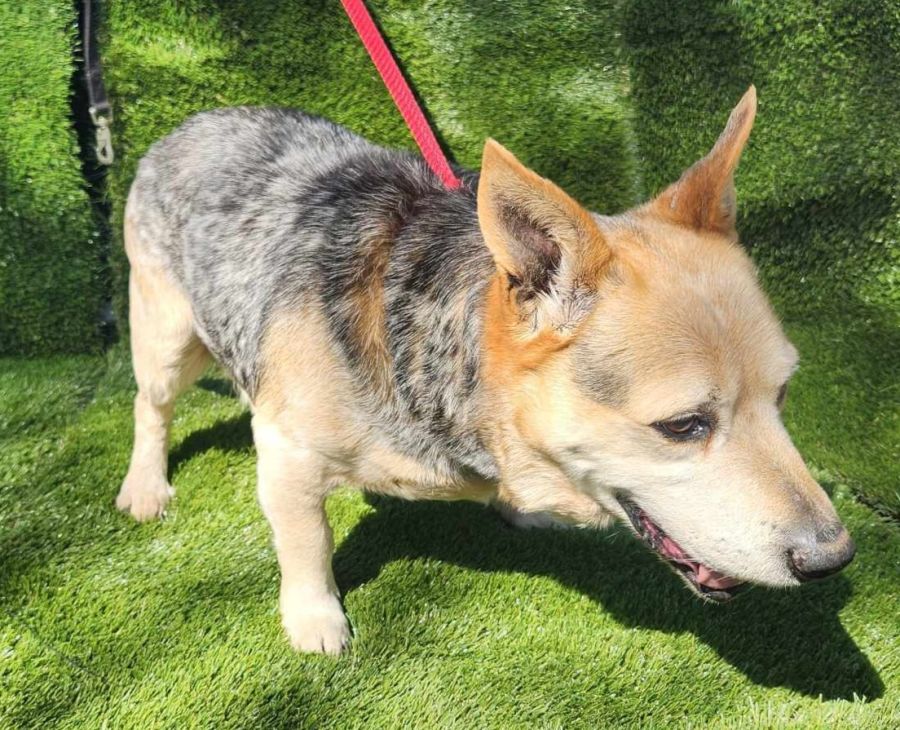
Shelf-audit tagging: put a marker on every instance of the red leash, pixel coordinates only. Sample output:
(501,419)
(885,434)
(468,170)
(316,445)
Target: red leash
(400,91)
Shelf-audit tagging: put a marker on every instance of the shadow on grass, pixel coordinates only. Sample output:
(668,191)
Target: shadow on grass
(232,434)
(776,638)
(219,386)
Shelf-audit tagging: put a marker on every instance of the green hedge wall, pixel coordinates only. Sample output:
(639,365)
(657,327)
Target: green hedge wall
(611,99)
(545,78)
(819,186)
(50,285)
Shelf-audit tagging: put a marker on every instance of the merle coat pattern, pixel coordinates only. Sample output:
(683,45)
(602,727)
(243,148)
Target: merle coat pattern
(294,209)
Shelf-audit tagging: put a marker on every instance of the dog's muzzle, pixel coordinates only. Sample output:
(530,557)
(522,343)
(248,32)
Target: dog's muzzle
(705,581)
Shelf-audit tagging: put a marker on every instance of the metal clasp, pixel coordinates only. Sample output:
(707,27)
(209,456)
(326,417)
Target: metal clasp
(103,139)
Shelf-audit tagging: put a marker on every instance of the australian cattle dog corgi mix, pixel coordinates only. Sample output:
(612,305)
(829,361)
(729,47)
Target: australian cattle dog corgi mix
(497,342)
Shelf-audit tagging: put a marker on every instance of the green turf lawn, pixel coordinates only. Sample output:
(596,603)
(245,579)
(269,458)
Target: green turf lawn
(459,620)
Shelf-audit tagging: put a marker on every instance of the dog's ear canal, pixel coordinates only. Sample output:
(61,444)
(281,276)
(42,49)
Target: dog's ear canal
(704,197)
(539,237)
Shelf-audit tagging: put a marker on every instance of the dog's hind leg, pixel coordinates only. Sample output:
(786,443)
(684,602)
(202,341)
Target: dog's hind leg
(167,357)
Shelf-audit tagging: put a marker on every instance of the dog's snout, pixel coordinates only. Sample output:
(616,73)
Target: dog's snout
(830,551)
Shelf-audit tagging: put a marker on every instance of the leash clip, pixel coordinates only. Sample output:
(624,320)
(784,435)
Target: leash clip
(103,139)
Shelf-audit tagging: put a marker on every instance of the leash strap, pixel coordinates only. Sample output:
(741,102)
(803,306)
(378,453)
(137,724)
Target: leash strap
(401,93)
(99,108)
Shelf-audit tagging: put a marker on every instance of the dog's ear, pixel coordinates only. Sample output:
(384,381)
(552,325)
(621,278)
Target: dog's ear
(704,197)
(548,247)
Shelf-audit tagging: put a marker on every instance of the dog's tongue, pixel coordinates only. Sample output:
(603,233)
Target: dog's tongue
(705,576)
(713,578)
(671,549)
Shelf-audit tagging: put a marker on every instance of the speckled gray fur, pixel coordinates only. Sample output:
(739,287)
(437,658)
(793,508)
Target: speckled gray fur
(255,209)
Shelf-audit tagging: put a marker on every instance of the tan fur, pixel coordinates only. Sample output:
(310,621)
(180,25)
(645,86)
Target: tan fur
(313,434)
(167,357)
(576,229)
(733,345)
(704,197)
(506,183)
(512,372)
(368,298)
(308,392)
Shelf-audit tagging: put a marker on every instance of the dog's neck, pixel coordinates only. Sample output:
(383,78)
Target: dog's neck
(435,289)
(413,327)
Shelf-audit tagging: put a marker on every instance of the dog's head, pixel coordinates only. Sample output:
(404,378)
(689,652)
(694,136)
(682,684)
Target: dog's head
(641,358)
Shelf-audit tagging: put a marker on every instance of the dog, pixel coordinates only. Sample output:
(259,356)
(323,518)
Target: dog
(497,342)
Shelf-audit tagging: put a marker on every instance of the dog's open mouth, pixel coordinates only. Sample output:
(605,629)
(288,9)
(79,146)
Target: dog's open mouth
(703,580)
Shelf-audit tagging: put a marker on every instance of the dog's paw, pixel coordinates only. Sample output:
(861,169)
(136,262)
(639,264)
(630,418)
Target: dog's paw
(527,520)
(315,623)
(145,499)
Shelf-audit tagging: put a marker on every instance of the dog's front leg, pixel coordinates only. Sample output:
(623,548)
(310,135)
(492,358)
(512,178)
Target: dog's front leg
(292,489)
(537,494)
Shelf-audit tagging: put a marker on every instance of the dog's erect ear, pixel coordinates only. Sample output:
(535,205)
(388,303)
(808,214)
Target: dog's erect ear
(547,245)
(704,197)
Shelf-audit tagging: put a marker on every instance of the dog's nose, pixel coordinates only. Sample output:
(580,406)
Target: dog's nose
(829,552)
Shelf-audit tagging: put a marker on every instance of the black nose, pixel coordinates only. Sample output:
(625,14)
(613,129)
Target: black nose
(830,551)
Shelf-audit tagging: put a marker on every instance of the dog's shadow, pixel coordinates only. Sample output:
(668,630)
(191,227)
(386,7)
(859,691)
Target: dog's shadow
(776,638)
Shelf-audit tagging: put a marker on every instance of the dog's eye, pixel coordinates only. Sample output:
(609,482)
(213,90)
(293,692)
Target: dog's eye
(686,428)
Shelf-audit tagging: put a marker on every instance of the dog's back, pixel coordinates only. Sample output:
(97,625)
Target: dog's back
(220,200)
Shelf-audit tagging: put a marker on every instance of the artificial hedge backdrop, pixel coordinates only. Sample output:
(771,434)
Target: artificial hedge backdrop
(51,285)
(610,99)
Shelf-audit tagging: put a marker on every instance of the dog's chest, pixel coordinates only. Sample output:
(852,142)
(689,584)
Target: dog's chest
(385,470)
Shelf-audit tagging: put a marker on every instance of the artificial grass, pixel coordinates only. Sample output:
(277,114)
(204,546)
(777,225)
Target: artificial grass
(459,620)
(51,284)
(846,403)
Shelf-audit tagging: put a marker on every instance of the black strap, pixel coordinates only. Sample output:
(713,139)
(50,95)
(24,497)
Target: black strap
(100,110)
(93,73)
